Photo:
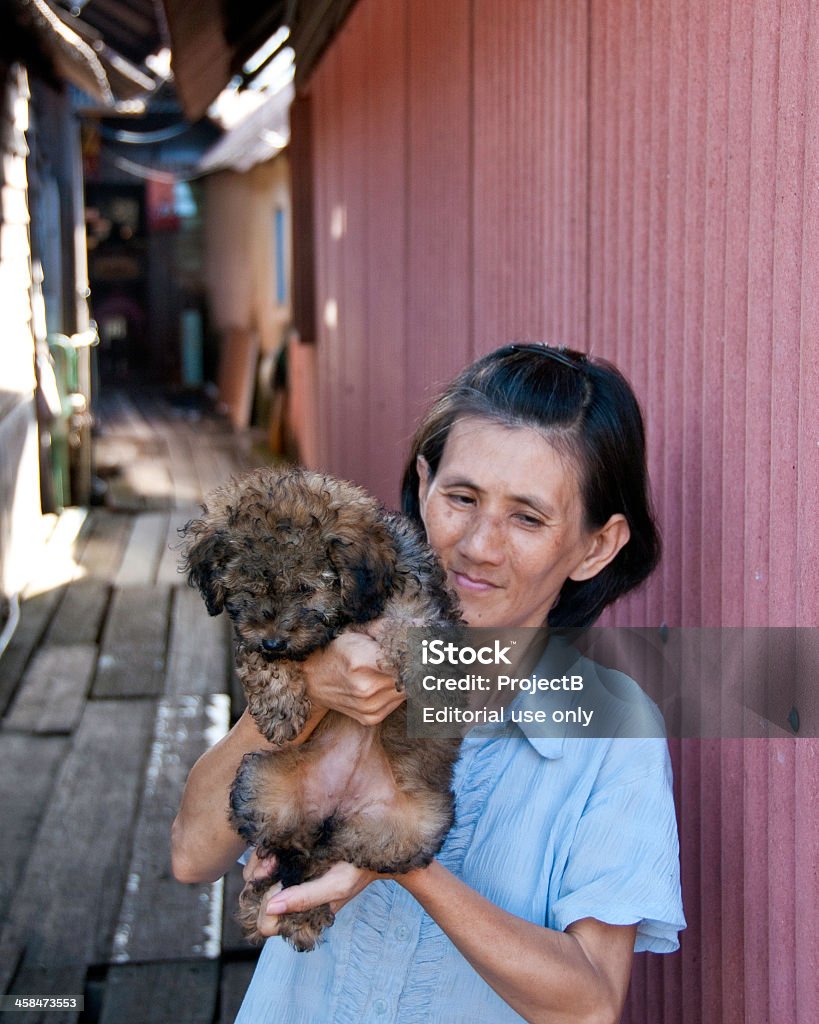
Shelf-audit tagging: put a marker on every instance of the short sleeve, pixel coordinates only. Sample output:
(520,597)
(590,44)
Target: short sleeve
(624,865)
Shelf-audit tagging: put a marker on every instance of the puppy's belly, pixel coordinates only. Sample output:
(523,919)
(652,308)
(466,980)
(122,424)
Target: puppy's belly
(348,773)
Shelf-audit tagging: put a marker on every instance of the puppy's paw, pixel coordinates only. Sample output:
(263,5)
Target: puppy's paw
(303,929)
(250,900)
(280,730)
(281,720)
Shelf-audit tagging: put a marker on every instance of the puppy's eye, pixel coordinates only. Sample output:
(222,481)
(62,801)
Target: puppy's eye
(312,617)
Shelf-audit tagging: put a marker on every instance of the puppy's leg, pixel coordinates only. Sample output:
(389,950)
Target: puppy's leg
(276,696)
(267,808)
(302,929)
(259,824)
(266,799)
(250,900)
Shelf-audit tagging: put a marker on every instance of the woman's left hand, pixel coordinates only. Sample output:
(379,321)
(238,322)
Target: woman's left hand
(336,887)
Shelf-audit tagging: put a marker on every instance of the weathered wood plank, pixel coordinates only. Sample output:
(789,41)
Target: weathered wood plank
(132,659)
(160,918)
(53,981)
(26,782)
(35,613)
(64,910)
(226,463)
(199,649)
(42,596)
(168,572)
(186,484)
(53,690)
(165,993)
(79,618)
(122,416)
(146,482)
(235,980)
(103,543)
(58,564)
(112,450)
(144,550)
(212,467)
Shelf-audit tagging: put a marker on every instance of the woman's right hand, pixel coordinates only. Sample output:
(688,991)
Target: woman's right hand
(348,676)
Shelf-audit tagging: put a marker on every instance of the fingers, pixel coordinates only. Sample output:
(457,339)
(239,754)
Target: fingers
(267,923)
(372,698)
(347,677)
(370,691)
(340,883)
(258,867)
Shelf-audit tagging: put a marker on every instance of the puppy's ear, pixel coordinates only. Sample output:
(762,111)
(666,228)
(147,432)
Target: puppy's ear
(205,555)
(365,563)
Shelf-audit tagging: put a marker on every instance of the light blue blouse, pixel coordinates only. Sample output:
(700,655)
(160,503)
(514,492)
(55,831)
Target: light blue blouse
(551,828)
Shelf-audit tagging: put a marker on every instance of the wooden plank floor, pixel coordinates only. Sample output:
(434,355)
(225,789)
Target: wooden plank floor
(114,682)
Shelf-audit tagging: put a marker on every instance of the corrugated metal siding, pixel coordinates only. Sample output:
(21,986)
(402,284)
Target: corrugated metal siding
(386,242)
(529,210)
(703,166)
(438,277)
(303,240)
(641,180)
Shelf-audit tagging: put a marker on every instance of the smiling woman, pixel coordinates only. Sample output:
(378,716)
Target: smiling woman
(587,412)
(510,539)
(528,476)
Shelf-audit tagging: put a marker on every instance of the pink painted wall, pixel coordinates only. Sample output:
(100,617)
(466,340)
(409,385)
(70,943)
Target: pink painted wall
(640,180)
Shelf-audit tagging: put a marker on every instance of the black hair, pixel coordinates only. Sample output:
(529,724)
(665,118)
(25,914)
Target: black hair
(588,412)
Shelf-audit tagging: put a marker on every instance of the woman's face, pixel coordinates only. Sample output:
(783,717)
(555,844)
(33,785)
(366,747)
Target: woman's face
(505,516)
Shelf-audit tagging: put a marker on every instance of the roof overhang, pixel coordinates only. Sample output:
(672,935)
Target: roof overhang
(71,57)
(211,40)
(76,51)
(257,138)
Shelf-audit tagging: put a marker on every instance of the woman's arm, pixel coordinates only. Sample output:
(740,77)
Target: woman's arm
(343,677)
(549,977)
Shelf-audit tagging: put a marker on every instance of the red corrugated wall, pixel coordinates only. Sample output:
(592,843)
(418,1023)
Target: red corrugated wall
(640,180)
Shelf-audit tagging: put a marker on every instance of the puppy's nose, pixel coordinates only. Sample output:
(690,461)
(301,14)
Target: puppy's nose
(275,646)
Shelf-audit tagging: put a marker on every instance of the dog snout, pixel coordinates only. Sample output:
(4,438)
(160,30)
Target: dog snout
(274,645)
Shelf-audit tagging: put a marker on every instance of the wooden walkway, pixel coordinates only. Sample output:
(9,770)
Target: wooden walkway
(114,682)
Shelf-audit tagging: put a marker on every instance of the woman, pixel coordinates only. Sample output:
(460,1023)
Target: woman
(529,478)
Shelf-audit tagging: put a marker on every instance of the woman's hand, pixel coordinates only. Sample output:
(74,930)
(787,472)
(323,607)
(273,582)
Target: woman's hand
(258,867)
(337,886)
(348,676)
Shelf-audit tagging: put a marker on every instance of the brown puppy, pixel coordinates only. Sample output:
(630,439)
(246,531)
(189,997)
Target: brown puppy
(295,558)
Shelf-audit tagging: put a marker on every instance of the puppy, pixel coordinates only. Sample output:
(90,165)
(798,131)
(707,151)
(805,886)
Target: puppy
(295,558)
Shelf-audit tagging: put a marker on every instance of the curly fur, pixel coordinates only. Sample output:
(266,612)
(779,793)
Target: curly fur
(295,558)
